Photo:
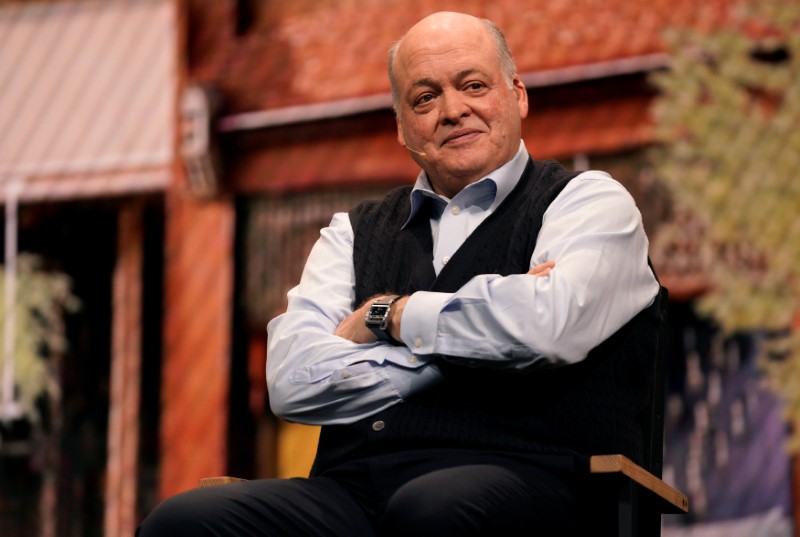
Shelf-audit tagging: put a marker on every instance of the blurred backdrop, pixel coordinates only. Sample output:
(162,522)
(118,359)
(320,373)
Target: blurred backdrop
(166,165)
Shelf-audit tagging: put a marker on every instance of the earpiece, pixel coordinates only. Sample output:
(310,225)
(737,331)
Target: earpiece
(402,140)
(420,153)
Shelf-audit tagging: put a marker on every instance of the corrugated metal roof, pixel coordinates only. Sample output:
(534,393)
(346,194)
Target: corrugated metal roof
(88,92)
(304,52)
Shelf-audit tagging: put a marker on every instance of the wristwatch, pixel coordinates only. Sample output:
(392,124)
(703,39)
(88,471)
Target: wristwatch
(377,317)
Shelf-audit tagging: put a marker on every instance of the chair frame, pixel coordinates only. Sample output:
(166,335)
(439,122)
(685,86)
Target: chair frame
(642,497)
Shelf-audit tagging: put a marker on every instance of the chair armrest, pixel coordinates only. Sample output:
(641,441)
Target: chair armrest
(672,500)
(221,480)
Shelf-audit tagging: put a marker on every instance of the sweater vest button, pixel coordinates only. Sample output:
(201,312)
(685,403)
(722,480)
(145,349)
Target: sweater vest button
(378,426)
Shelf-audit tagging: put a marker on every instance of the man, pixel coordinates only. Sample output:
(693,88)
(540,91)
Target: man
(465,344)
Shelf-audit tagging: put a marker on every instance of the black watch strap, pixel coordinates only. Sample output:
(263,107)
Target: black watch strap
(377,317)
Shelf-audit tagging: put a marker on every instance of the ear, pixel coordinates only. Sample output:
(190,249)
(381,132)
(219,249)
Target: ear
(400,136)
(522,96)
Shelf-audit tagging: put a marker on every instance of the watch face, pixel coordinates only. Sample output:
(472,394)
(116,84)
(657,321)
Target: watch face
(376,316)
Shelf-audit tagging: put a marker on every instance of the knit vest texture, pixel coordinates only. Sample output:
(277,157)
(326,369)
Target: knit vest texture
(592,407)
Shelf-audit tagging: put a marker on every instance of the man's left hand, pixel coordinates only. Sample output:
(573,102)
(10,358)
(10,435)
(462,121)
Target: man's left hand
(354,328)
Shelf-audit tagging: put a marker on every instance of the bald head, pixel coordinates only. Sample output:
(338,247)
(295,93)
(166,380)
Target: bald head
(446,23)
(458,101)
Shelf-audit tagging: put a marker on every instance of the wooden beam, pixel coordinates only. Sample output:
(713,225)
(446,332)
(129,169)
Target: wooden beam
(198,289)
(123,415)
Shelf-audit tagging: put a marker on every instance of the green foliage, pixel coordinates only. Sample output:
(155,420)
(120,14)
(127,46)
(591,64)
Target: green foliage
(42,299)
(728,117)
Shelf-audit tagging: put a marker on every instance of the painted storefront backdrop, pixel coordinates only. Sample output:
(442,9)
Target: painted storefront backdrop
(725,435)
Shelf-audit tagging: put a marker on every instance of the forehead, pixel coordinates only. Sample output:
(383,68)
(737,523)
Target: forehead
(442,54)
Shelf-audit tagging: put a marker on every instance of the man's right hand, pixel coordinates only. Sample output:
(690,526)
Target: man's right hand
(542,269)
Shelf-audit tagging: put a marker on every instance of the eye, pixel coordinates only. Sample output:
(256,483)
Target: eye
(424,103)
(423,99)
(474,86)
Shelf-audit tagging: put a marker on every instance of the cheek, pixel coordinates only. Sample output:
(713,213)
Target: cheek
(498,112)
(508,120)
(420,126)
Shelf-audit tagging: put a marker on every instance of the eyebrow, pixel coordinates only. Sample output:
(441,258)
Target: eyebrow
(423,82)
(461,75)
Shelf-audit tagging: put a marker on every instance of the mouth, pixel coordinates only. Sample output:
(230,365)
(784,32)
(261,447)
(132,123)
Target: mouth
(461,136)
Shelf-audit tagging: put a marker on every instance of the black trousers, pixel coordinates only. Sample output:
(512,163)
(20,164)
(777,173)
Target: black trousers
(415,493)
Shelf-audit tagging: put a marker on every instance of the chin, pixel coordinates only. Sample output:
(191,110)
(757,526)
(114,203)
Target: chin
(473,167)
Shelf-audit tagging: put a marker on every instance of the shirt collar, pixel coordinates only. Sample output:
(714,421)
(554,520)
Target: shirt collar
(505,178)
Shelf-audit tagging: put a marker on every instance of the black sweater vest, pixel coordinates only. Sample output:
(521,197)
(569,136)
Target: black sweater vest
(592,407)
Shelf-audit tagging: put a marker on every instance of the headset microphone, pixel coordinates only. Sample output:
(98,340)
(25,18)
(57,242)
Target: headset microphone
(420,153)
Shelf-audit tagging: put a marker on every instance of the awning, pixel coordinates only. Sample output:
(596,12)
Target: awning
(88,96)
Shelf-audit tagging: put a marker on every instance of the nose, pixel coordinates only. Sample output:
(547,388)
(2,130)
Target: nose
(454,106)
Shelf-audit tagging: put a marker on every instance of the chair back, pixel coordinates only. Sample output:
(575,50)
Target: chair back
(653,421)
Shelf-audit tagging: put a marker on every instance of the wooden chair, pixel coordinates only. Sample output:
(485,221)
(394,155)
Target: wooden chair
(641,497)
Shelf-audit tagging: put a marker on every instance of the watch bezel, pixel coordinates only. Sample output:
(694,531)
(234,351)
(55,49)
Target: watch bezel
(377,316)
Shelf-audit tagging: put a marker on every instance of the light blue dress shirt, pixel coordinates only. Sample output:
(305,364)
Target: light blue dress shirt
(592,230)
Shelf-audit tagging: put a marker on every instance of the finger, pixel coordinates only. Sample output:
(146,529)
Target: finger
(542,269)
(353,329)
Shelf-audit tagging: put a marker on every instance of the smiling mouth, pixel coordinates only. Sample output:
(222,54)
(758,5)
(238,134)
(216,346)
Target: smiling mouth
(461,135)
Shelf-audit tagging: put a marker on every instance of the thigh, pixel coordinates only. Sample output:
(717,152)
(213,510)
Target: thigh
(269,507)
(508,498)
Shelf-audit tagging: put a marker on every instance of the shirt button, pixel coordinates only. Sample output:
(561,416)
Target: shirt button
(456,209)
(378,426)
(412,359)
(445,259)
(418,342)
(345,374)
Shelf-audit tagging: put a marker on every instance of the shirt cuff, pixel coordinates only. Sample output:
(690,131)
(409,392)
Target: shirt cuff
(419,325)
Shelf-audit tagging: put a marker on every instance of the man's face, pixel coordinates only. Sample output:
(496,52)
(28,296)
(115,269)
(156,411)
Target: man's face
(455,104)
